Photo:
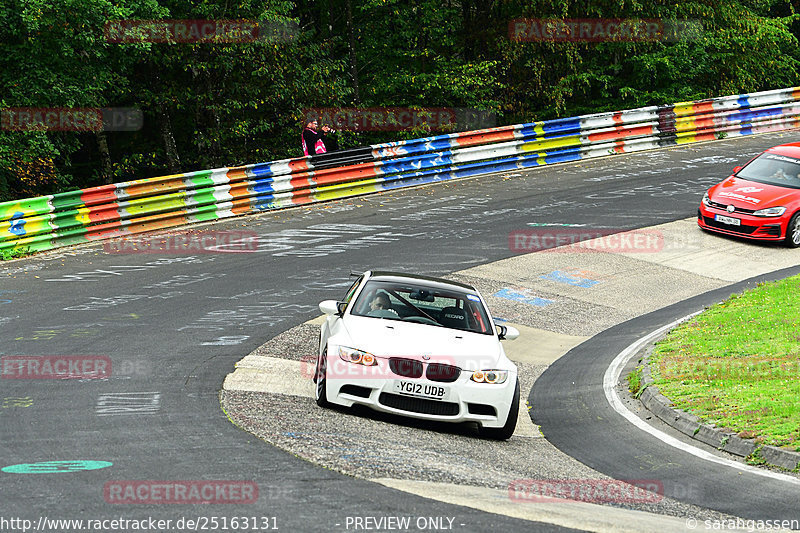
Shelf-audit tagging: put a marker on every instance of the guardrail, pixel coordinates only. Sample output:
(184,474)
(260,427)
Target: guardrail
(119,209)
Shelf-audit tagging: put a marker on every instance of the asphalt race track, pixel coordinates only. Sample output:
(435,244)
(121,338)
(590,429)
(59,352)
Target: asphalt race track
(172,325)
(570,405)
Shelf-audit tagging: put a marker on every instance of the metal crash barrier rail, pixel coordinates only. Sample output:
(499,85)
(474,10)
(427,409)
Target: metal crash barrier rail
(115,210)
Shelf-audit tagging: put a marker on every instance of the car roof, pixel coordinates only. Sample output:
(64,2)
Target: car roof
(790,149)
(401,277)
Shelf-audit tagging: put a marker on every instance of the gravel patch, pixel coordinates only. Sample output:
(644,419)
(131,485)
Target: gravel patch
(363,443)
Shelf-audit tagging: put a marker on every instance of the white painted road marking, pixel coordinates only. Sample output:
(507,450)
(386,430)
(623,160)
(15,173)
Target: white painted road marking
(611,378)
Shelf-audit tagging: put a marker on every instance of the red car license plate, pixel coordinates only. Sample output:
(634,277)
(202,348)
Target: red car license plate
(728,220)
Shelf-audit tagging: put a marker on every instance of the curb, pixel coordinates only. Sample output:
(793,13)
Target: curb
(688,424)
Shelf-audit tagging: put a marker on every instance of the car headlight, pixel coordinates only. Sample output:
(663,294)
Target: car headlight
(770,212)
(706,199)
(490,376)
(357,357)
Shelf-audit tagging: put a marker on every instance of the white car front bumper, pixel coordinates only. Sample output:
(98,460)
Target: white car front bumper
(461,401)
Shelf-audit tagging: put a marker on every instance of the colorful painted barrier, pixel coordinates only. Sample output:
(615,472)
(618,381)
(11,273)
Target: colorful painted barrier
(107,211)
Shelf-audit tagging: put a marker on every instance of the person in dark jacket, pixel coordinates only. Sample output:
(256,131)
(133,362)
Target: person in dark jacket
(317,142)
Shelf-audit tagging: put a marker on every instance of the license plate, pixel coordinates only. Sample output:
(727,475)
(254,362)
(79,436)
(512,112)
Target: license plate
(728,220)
(424,390)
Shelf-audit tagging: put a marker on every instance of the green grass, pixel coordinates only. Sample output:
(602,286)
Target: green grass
(13,253)
(635,382)
(737,365)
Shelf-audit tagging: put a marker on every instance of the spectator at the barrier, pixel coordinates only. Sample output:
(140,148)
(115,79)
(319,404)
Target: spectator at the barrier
(317,142)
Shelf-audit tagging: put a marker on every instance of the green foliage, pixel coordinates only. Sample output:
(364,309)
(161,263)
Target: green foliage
(207,105)
(13,253)
(635,382)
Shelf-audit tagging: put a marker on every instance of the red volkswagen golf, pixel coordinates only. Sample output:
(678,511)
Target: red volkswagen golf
(760,200)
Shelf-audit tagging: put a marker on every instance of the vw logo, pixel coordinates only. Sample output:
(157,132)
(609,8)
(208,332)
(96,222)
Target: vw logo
(426,357)
(731,208)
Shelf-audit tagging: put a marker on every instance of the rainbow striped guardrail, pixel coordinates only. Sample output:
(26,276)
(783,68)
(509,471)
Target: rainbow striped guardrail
(119,209)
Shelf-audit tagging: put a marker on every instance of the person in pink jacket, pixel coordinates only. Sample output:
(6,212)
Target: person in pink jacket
(314,141)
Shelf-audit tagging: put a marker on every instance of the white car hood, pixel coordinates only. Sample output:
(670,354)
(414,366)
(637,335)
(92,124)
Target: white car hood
(394,338)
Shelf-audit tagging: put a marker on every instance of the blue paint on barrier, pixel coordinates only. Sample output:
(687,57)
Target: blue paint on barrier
(562,156)
(416,178)
(263,203)
(743,100)
(439,144)
(475,169)
(263,186)
(750,115)
(17,226)
(262,170)
(510,294)
(407,164)
(562,124)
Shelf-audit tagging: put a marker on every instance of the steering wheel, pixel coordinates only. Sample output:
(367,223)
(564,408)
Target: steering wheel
(421,320)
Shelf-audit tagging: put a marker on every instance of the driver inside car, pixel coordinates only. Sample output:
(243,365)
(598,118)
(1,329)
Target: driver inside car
(381,306)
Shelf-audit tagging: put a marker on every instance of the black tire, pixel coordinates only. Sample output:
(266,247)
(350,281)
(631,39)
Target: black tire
(505,432)
(321,388)
(792,239)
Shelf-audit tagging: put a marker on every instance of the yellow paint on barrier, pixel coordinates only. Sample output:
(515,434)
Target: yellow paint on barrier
(35,243)
(550,144)
(707,135)
(147,187)
(11,230)
(685,124)
(683,109)
(83,216)
(342,190)
(143,206)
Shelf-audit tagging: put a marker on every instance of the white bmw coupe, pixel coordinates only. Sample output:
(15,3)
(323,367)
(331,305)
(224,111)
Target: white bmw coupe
(420,347)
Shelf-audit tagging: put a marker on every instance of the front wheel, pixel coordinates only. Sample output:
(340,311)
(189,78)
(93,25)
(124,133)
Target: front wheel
(793,231)
(321,389)
(505,432)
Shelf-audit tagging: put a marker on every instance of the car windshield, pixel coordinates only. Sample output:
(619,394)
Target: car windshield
(424,304)
(773,169)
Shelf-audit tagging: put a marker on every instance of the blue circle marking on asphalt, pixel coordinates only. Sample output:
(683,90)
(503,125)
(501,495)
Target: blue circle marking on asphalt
(55,467)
